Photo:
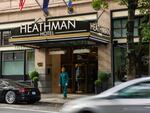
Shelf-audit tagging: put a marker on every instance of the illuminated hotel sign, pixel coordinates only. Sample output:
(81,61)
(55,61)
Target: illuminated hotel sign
(57,27)
(48,26)
(51,28)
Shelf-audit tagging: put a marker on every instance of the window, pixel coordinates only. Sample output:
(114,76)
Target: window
(120,29)
(141,90)
(117,28)
(5,37)
(18,56)
(3,83)
(120,62)
(13,63)
(30,64)
(7,56)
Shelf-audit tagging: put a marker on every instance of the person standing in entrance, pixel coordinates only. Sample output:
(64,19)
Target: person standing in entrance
(63,81)
(77,75)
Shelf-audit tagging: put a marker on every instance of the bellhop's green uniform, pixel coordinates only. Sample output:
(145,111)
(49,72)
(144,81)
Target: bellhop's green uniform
(63,80)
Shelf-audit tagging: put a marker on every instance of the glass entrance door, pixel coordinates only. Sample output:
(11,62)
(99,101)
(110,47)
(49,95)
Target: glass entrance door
(82,69)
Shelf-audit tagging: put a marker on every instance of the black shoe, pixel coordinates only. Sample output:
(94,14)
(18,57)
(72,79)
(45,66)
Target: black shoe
(64,97)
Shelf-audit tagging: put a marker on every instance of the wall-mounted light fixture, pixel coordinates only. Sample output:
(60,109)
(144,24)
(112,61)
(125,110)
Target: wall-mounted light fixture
(59,52)
(78,51)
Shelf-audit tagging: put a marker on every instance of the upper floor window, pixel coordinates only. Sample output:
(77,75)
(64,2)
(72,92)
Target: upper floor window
(4,37)
(120,29)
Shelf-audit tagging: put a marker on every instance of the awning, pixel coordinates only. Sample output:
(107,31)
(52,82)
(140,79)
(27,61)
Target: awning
(13,48)
(74,39)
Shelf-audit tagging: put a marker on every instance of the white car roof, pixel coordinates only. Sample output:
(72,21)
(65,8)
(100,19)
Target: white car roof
(122,86)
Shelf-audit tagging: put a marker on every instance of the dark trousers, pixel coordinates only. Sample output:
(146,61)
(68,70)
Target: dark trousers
(64,90)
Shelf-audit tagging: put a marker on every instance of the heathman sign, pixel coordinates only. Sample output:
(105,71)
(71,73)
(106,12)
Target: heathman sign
(51,28)
(48,26)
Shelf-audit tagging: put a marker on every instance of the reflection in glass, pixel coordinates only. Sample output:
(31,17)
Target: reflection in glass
(117,24)
(117,32)
(6,36)
(12,63)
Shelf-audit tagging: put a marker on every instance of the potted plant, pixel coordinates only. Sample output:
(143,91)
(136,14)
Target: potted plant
(97,86)
(104,77)
(34,76)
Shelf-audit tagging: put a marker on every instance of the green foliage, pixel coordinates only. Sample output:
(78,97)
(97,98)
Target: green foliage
(34,76)
(36,79)
(144,6)
(145,32)
(97,82)
(103,76)
(98,4)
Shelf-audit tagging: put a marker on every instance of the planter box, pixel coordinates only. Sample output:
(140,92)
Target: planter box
(98,89)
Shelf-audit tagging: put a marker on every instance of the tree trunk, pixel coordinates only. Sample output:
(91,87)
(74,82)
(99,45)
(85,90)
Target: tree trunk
(131,64)
(149,45)
(149,58)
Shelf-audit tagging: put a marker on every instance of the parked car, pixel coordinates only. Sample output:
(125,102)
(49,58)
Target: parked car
(12,92)
(129,97)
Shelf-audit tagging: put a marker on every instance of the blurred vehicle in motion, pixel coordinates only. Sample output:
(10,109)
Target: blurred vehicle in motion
(129,97)
(12,92)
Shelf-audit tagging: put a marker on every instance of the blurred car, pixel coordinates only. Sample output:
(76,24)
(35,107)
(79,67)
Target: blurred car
(12,92)
(129,97)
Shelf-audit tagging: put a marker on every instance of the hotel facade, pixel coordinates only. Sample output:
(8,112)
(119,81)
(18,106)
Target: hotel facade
(31,41)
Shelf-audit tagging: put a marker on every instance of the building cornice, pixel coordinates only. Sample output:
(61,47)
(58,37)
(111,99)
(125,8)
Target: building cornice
(36,7)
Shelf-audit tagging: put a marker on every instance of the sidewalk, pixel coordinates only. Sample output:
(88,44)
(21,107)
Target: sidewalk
(57,100)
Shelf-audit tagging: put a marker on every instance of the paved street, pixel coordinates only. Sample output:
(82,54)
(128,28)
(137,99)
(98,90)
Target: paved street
(50,103)
(24,108)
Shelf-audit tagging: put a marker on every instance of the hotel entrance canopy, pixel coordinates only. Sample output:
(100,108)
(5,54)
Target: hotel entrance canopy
(74,39)
(58,33)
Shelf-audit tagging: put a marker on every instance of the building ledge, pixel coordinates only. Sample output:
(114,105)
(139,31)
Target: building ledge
(36,7)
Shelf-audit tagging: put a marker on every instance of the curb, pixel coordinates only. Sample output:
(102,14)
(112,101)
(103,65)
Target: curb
(51,104)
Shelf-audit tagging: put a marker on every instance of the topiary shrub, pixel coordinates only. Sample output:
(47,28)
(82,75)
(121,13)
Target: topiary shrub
(103,76)
(34,76)
(97,83)
(102,82)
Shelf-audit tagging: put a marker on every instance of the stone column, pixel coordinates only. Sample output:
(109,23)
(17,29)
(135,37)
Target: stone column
(40,66)
(104,58)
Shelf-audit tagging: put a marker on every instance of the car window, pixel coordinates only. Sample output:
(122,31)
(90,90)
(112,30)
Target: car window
(15,84)
(0,83)
(6,83)
(141,90)
(3,83)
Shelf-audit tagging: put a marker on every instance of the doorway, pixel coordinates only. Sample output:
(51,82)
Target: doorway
(84,63)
